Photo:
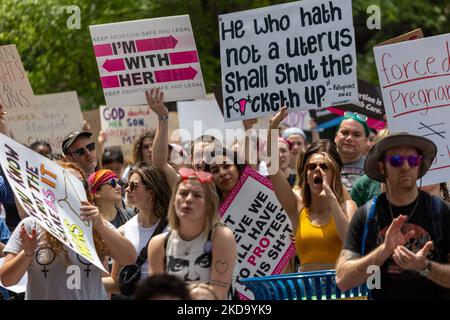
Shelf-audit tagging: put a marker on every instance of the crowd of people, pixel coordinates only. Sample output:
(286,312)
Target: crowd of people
(352,202)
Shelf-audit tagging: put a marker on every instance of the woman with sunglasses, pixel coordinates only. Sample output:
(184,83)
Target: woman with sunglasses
(321,215)
(54,272)
(106,189)
(198,247)
(149,193)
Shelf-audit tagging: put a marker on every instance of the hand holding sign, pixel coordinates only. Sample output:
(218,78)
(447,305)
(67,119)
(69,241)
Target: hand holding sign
(89,212)
(155,99)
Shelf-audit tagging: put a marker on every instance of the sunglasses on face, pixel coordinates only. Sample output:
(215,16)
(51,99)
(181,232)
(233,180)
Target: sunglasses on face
(203,177)
(89,147)
(313,166)
(133,185)
(355,115)
(115,182)
(397,161)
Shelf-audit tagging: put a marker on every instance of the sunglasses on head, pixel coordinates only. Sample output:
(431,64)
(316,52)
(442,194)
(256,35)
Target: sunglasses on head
(397,160)
(133,185)
(355,115)
(313,166)
(202,176)
(89,147)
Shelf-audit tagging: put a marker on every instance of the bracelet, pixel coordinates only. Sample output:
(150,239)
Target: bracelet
(163,117)
(28,256)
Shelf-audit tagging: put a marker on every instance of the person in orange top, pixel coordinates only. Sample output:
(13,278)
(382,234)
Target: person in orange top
(321,215)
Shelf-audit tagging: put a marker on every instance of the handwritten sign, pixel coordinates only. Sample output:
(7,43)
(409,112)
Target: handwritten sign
(301,54)
(414,77)
(123,125)
(16,94)
(137,55)
(412,35)
(261,228)
(202,116)
(56,116)
(298,119)
(50,194)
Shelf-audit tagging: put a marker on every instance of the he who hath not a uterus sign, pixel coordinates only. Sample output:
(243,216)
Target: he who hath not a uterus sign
(301,54)
(134,56)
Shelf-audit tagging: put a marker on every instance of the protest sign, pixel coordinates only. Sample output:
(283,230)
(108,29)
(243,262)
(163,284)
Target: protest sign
(412,35)
(414,78)
(134,56)
(298,119)
(50,194)
(56,116)
(202,116)
(261,228)
(301,54)
(123,125)
(16,94)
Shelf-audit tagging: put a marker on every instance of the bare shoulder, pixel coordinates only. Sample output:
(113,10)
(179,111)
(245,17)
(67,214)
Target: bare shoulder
(158,240)
(222,231)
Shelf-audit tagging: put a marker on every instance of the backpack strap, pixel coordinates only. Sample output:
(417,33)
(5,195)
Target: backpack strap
(437,213)
(143,254)
(370,209)
(166,240)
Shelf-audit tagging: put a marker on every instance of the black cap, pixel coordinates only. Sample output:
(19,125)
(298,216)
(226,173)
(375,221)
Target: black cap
(70,139)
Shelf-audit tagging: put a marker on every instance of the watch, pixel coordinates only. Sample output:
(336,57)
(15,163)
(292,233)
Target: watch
(425,272)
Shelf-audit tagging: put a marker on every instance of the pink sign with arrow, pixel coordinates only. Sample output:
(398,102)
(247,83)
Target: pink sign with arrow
(135,56)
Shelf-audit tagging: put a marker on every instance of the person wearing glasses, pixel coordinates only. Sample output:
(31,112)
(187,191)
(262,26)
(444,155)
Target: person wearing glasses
(149,193)
(405,231)
(198,248)
(80,149)
(321,215)
(106,188)
(351,142)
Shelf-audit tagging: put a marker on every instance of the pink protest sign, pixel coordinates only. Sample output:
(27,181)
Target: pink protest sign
(414,78)
(137,55)
(261,228)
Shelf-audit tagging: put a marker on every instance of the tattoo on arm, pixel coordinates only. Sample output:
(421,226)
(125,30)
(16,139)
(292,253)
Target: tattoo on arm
(219,283)
(221,266)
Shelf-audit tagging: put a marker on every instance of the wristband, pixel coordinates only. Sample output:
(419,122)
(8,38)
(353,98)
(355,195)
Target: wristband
(163,117)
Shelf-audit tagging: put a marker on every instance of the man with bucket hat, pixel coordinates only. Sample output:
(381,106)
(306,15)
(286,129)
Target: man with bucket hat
(405,232)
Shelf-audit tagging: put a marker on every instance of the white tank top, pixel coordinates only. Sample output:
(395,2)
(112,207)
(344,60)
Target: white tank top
(139,237)
(189,260)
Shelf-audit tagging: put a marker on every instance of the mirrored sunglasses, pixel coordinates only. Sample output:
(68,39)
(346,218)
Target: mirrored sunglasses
(397,160)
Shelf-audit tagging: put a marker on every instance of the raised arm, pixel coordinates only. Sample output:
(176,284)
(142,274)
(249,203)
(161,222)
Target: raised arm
(288,199)
(224,254)
(160,145)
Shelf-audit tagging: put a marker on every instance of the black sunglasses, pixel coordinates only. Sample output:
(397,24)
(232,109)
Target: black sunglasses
(89,147)
(313,166)
(133,185)
(116,182)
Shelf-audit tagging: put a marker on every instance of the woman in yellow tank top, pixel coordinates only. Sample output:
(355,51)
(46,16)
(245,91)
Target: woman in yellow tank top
(321,215)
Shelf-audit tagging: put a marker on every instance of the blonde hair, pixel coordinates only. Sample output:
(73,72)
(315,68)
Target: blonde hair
(202,286)
(211,206)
